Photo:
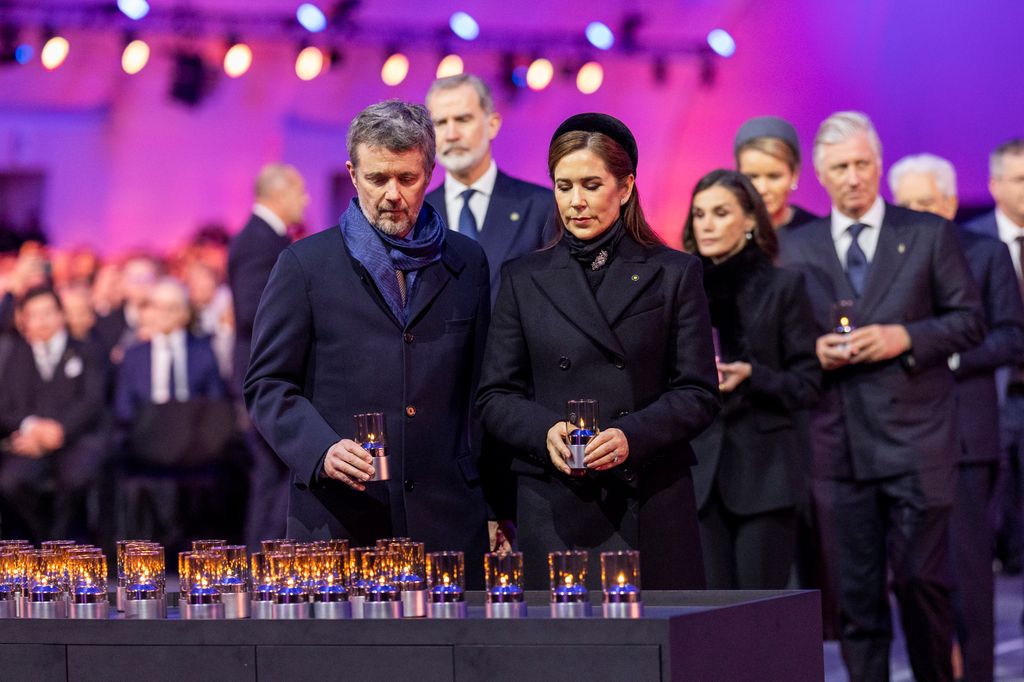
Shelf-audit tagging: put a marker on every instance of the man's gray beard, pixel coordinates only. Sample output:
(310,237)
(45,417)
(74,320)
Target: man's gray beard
(389,228)
(461,163)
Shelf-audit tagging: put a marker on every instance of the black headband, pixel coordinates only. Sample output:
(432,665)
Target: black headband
(604,124)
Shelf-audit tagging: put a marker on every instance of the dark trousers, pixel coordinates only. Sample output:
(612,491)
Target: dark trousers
(269,481)
(816,553)
(48,494)
(746,552)
(1009,496)
(900,524)
(971,560)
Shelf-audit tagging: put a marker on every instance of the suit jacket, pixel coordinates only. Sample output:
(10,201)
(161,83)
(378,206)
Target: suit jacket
(327,347)
(251,257)
(642,347)
(135,377)
(977,403)
(74,396)
(984,224)
(752,449)
(519,219)
(893,417)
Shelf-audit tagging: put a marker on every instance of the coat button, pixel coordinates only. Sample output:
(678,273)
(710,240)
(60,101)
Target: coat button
(564,363)
(410,411)
(623,413)
(620,363)
(408,338)
(409,485)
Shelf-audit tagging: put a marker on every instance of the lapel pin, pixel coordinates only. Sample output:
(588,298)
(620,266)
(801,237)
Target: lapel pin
(514,216)
(901,248)
(635,278)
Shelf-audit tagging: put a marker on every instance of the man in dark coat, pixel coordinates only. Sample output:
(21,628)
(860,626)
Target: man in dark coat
(386,312)
(281,200)
(928,183)
(51,410)
(884,436)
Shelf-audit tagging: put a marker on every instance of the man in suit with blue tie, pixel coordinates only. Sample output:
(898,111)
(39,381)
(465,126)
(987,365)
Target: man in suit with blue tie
(281,201)
(883,438)
(928,183)
(1006,223)
(509,217)
(386,312)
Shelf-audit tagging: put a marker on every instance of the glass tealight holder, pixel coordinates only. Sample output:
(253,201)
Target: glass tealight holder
(281,545)
(568,573)
(291,601)
(235,582)
(200,573)
(581,418)
(382,599)
(330,598)
(10,580)
(263,588)
(88,573)
(410,563)
(446,585)
(122,580)
(207,545)
(503,580)
(356,584)
(46,596)
(620,581)
(371,434)
(145,574)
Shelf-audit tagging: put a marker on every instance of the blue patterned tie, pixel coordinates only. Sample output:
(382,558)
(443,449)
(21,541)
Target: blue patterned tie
(856,261)
(467,223)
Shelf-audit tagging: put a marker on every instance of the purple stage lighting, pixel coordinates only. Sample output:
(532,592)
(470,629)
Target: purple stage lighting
(599,35)
(133,9)
(311,17)
(464,26)
(721,42)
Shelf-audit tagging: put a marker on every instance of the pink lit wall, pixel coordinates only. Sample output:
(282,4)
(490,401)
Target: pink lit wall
(125,167)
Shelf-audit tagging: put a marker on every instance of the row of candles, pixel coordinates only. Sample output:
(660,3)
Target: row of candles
(396,578)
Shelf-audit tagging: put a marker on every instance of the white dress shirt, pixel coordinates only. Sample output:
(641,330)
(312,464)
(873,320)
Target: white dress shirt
(163,349)
(478,202)
(868,238)
(270,218)
(47,354)
(1008,233)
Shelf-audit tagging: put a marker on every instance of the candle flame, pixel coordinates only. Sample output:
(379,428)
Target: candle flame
(503,580)
(445,579)
(291,582)
(568,580)
(622,579)
(330,579)
(407,569)
(372,437)
(844,321)
(203,582)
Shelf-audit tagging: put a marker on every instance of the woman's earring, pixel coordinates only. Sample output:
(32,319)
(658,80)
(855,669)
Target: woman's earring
(750,235)
(793,187)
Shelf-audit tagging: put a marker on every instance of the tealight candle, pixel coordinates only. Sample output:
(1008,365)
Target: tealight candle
(88,573)
(568,576)
(383,600)
(620,578)
(410,562)
(330,600)
(446,575)
(144,593)
(503,576)
(291,601)
(200,574)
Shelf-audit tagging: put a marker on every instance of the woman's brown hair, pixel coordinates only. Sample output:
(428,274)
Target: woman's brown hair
(750,202)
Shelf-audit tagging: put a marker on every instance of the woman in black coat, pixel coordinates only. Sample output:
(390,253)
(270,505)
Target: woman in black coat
(747,479)
(608,313)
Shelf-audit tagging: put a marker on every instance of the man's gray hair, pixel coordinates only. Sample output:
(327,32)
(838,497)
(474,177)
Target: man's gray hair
(929,164)
(452,82)
(840,127)
(1014,147)
(393,125)
(273,178)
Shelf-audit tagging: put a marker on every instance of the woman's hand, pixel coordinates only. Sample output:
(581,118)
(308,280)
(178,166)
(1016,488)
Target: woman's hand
(733,374)
(558,450)
(608,450)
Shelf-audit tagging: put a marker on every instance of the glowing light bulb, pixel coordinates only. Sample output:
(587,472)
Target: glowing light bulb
(54,52)
(135,57)
(237,60)
(395,69)
(540,73)
(451,65)
(589,78)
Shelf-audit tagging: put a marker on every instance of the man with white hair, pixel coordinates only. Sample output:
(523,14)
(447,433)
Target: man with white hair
(883,438)
(928,183)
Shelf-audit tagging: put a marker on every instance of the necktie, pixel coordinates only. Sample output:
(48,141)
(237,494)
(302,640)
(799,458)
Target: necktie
(467,222)
(401,284)
(856,261)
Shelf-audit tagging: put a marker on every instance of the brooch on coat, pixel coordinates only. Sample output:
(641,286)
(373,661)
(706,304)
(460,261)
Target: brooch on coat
(599,260)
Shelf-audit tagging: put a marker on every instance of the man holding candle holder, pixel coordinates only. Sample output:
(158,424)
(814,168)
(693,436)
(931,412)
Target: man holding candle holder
(884,436)
(386,312)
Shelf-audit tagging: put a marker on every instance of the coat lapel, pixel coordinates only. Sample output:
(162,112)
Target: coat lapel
(567,288)
(501,222)
(628,276)
(431,281)
(893,243)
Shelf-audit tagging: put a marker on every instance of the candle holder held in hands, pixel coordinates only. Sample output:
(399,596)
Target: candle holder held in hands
(582,427)
(372,435)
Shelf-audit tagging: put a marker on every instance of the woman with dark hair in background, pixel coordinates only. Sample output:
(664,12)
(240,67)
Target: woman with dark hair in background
(607,313)
(767,151)
(747,478)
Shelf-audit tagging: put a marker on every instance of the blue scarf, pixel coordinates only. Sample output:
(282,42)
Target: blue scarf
(382,254)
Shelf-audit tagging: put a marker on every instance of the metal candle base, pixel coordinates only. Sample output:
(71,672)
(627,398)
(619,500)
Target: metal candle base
(332,610)
(202,611)
(121,597)
(46,609)
(381,469)
(506,609)
(382,610)
(448,609)
(145,609)
(357,605)
(9,607)
(623,609)
(414,603)
(236,604)
(576,609)
(297,611)
(261,610)
(575,463)
(97,611)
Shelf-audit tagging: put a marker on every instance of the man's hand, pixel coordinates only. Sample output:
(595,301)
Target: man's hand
(349,463)
(833,350)
(26,444)
(558,451)
(877,342)
(732,375)
(49,433)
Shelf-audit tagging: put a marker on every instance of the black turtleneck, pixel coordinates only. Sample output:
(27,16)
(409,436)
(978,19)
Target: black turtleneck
(595,254)
(723,283)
